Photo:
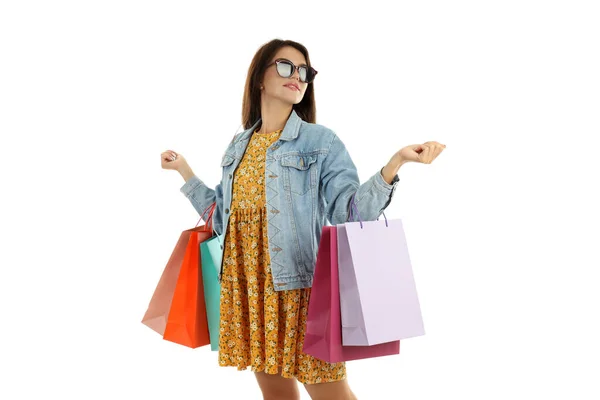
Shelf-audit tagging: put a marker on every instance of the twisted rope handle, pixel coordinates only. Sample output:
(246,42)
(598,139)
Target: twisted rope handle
(353,206)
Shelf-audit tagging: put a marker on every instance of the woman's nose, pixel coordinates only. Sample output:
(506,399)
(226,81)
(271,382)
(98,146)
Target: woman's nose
(295,74)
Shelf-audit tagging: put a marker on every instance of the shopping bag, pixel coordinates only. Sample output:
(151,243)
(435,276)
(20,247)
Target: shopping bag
(214,247)
(187,323)
(160,303)
(378,295)
(323,336)
(212,252)
(176,310)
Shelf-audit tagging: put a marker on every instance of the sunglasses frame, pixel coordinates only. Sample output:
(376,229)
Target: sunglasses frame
(294,69)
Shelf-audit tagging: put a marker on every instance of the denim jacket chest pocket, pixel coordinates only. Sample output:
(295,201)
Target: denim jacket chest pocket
(227,160)
(299,172)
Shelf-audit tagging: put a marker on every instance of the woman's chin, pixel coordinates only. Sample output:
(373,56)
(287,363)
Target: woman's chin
(290,99)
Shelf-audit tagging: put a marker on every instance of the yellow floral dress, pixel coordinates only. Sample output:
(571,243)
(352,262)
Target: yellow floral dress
(261,328)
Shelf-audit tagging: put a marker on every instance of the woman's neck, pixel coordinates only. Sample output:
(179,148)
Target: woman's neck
(273,116)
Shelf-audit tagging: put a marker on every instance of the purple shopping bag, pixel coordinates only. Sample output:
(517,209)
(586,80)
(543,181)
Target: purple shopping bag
(378,295)
(323,337)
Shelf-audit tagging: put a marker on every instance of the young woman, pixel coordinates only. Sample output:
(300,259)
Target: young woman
(283,178)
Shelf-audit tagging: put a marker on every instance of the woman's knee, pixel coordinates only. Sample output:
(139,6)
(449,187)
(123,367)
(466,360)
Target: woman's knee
(276,387)
(339,390)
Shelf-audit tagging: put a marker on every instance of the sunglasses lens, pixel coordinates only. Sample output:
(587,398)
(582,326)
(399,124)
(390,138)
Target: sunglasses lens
(284,69)
(303,71)
(307,74)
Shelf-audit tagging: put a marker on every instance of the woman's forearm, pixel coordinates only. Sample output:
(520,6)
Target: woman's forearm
(391,169)
(186,172)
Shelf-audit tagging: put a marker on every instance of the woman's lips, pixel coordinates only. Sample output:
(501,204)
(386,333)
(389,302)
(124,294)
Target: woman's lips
(292,87)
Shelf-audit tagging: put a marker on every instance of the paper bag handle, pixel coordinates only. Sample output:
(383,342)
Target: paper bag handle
(353,207)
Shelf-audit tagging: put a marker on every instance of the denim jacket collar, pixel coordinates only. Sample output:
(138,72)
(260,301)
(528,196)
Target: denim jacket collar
(290,130)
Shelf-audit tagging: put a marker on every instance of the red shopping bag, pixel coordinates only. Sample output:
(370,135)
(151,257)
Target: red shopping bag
(323,338)
(187,323)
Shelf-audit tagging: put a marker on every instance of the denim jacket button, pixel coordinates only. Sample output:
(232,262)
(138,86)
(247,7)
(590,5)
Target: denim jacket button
(227,211)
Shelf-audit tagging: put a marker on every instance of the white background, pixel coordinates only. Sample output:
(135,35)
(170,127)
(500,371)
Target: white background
(502,227)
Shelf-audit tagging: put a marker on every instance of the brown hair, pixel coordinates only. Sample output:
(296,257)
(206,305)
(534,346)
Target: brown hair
(251,101)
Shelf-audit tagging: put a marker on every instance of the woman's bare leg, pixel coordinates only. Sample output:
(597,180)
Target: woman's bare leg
(276,387)
(338,390)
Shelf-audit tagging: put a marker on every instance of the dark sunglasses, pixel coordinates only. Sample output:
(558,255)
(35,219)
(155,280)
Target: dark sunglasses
(286,68)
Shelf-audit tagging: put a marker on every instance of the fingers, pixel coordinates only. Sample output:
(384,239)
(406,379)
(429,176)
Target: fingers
(430,151)
(169,155)
(423,155)
(170,160)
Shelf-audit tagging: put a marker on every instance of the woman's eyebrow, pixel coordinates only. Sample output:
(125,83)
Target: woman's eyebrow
(293,62)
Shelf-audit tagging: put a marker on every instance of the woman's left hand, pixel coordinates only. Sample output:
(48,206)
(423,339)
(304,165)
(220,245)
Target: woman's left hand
(423,153)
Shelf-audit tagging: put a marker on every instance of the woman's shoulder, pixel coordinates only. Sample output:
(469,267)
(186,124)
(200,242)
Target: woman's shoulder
(310,128)
(317,133)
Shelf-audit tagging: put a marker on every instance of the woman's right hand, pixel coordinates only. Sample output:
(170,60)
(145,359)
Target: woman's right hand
(171,160)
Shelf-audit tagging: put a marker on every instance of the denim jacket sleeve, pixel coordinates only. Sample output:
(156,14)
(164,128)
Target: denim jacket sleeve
(201,197)
(339,182)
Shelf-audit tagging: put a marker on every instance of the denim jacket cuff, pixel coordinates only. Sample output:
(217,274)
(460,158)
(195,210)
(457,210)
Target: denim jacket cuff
(382,185)
(190,185)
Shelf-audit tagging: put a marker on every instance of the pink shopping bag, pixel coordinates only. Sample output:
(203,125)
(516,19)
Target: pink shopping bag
(158,310)
(323,338)
(378,295)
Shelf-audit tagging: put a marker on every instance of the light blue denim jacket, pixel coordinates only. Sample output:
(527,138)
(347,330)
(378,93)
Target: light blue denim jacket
(309,182)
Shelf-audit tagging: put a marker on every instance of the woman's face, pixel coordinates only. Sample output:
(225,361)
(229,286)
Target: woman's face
(274,86)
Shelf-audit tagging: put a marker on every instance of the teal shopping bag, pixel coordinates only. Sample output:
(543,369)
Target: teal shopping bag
(211,251)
